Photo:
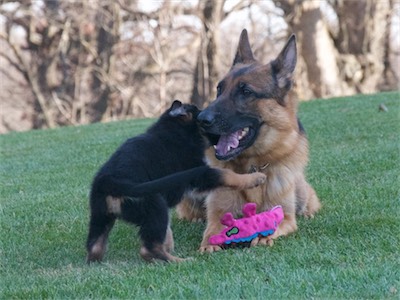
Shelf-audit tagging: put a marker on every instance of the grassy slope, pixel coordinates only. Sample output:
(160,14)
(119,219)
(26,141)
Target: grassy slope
(350,250)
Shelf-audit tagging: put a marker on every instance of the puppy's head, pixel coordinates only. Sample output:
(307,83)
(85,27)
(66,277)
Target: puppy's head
(184,112)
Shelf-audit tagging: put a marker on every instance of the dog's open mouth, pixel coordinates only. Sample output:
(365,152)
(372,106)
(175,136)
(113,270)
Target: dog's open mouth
(228,146)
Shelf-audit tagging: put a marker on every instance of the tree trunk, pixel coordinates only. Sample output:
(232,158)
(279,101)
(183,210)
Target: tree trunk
(389,81)
(363,27)
(346,63)
(317,54)
(108,19)
(207,68)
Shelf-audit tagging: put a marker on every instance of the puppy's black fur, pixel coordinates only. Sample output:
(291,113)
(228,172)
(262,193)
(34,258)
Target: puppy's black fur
(149,174)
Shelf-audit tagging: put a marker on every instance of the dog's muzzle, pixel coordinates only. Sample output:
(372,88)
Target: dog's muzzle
(228,136)
(207,118)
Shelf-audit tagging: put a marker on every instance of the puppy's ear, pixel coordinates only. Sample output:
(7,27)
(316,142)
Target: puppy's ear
(175,104)
(284,65)
(243,52)
(177,109)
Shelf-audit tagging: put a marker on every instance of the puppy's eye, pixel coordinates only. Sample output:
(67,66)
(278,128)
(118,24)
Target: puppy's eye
(219,90)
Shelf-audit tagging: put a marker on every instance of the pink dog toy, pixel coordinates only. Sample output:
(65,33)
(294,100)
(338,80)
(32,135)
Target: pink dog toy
(249,227)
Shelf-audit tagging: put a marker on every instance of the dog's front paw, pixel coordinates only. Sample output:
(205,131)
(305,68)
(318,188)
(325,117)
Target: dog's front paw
(209,249)
(197,220)
(264,241)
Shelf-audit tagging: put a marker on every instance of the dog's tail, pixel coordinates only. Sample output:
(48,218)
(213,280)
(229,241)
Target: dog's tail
(202,178)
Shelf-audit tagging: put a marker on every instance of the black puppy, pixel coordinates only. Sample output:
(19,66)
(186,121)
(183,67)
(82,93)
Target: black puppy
(149,174)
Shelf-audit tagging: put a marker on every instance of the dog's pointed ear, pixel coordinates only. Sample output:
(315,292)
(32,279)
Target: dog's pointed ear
(243,53)
(284,65)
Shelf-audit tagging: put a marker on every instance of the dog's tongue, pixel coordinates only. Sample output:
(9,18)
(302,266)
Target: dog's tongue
(227,142)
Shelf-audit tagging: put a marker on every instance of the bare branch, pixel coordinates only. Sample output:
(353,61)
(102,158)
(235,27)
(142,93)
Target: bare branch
(239,6)
(32,79)
(19,65)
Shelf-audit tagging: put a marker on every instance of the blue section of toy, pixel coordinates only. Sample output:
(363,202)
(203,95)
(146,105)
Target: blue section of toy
(249,238)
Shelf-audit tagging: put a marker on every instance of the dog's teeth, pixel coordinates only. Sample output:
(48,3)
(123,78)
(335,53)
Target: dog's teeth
(244,132)
(229,149)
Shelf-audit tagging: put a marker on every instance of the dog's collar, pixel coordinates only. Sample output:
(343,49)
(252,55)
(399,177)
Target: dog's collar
(254,168)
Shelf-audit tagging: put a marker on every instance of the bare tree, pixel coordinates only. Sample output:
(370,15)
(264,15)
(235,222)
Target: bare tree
(207,70)
(208,67)
(362,41)
(77,62)
(58,53)
(81,70)
(345,59)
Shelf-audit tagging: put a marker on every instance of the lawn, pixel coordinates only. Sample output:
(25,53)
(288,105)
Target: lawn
(349,250)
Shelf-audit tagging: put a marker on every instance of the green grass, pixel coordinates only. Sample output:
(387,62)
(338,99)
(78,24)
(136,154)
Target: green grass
(349,250)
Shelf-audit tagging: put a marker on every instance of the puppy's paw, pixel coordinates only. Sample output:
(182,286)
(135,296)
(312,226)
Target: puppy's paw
(257,179)
(159,254)
(209,249)
(179,259)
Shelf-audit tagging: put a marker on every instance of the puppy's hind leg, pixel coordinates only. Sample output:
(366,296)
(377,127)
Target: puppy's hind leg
(99,227)
(169,240)
(154,228)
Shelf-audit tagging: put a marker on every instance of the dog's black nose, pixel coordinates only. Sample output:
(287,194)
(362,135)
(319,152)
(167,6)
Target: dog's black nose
(206,118)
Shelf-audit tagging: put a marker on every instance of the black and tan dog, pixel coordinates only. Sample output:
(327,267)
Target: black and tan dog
(254,126)
(149,174)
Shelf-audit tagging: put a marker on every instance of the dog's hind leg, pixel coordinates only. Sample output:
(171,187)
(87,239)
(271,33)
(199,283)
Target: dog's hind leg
(192,207)
(313,203)
(307,202)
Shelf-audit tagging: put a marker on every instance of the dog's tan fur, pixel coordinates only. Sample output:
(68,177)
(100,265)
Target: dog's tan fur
(280,151)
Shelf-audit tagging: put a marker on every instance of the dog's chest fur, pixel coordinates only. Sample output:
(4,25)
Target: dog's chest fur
(282,172)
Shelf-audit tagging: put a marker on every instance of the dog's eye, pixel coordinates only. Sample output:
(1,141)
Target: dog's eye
(246,91)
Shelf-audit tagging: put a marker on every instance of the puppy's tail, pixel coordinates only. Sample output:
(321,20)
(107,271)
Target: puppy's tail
(202,178)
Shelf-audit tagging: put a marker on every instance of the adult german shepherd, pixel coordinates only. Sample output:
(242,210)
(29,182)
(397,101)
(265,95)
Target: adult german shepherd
(254,127)
(149,174)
